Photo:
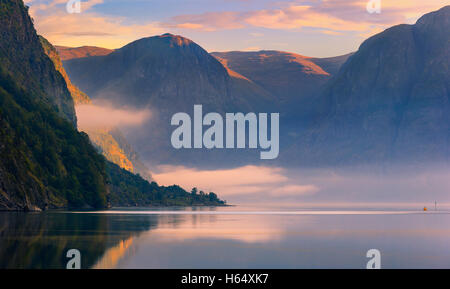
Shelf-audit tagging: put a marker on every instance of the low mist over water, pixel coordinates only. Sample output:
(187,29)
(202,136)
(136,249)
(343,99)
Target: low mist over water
(397,187)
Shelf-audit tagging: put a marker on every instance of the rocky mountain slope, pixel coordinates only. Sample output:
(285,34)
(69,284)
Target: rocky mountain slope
(78,96)
(19,43)
(288,76)
(389,102)
(44,161)
(109,141)
(166,74)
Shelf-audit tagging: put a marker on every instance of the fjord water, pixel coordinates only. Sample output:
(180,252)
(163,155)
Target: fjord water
(226,237)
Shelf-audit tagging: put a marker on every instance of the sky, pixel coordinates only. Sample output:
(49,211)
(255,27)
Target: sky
(316,28)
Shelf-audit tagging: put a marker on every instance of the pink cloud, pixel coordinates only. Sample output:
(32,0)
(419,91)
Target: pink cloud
(331,16)
(245,181)
(209,21)
(77,29)
(295,190)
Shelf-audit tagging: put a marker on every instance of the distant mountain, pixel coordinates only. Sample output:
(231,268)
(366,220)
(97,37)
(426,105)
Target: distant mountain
(331,64)
(170,73)
(167,74)
(67,53)
(294,81)
(389,102)
(288,76)
(109,141)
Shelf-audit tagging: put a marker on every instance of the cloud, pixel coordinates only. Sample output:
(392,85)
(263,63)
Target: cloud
(252,48)
(330,32)
(275,187)
(62,28)
(40,6)
(256,34)
(209,21)
(295,190)
(91,116)
(299,16)
(330,16)
(327,17)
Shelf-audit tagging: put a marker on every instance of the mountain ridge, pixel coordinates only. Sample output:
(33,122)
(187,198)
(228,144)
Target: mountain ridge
(292,79)
(389,102)
(67,53)
(166,74)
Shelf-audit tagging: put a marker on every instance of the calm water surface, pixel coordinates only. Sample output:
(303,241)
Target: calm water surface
(231,237)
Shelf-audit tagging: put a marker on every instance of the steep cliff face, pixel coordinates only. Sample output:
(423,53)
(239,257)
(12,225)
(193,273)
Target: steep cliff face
(114,147)
(44,161)
(390,101)
(22,56)
(78,96)
(138,166)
